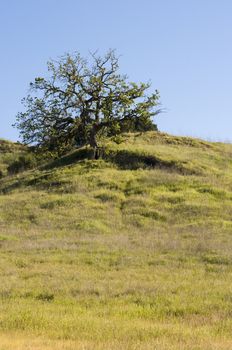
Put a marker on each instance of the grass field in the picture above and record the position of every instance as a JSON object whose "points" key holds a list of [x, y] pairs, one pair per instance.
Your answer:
{"points": [[133, 251]]}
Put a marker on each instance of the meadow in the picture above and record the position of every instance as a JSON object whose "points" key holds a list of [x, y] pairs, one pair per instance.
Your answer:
{"points": [[131, 251]]}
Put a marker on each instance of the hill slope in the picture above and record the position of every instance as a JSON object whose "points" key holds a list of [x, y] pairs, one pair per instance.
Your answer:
{"points": [[9, 151], [132, 251]]}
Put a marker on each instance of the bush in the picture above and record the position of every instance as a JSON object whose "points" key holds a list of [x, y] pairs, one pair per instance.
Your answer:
{"points": [[24, 162]]}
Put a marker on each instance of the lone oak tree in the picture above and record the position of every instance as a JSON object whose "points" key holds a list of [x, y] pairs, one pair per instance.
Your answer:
{"points": [[81, 100]]}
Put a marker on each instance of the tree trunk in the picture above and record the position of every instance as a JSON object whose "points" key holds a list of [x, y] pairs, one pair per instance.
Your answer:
{"points": [[93, 142]]}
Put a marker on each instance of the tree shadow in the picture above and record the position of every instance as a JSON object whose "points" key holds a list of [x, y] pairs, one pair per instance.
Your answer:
{"points": [[71, 158], [129, 160]]}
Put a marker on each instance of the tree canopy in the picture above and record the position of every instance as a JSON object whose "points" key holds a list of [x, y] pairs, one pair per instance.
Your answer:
{"points": [[81, 100]]}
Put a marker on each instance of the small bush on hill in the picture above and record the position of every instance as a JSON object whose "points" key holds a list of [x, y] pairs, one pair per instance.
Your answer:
{"points": [[24, 162]]}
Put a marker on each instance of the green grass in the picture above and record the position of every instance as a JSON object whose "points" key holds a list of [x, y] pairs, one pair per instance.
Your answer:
{"points": [[9, 152], [132, 251]]}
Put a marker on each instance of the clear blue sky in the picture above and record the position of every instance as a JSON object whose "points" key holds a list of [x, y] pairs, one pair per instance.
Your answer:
{"points": [[182, 46]]}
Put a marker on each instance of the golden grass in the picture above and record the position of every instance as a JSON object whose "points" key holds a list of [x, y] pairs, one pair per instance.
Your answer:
{"points": [[18, 342]]}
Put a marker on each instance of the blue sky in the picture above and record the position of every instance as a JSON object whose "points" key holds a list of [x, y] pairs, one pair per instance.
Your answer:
{"points": [[182, 46]]}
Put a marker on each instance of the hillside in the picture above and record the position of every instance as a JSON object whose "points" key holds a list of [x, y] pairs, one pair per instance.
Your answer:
{"points": [[131, 251], [9, 151]]}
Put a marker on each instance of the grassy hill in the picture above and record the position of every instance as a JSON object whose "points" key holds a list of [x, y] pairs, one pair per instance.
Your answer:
{"points": [[9, 152], [132, 251]]}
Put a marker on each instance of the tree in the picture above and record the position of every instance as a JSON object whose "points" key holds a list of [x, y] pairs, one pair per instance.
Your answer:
{"points": [[81, 100]]}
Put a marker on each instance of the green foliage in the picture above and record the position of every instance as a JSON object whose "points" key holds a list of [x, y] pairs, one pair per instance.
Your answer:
{"points": [[83, 101]]}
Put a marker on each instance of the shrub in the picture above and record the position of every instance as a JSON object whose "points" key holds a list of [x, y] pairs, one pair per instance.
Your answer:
{"points": [[24, 162]]}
